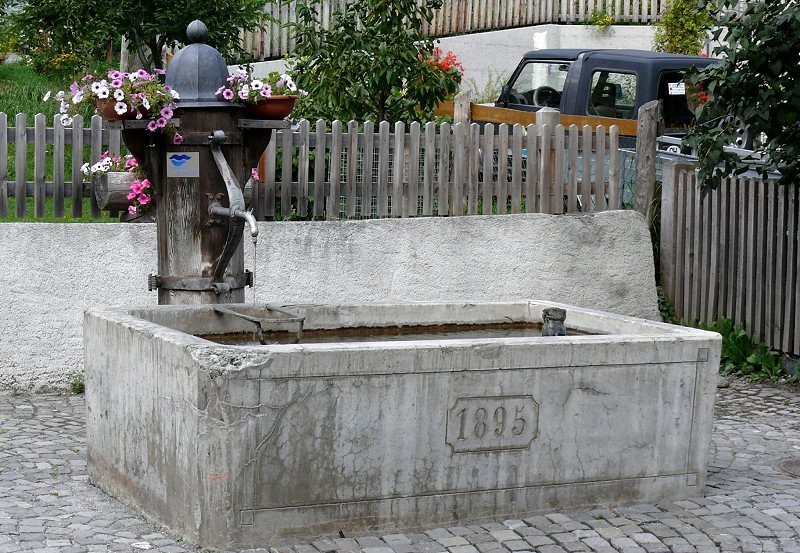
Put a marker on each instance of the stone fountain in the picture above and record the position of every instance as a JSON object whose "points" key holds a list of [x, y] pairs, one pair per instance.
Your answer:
{"points": [[242, 425]]}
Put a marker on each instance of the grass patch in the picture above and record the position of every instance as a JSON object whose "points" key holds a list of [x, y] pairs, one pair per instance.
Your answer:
{"points": [[78, 384], [22, 90], [50, 218]]}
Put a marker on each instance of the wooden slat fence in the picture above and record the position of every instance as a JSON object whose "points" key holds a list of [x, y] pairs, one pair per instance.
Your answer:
{"points": [[460, 17], [426, 170], [54, 142], [355, 170], [734, 253]]}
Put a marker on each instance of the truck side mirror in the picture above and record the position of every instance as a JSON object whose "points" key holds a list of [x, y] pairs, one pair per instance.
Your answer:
{"points": [[505, 92]]}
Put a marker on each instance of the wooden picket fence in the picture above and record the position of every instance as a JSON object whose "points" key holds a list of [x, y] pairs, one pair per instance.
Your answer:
{"points": [[430, 169], [459, 17], [55, 141], [356, 169], [734, 253]]}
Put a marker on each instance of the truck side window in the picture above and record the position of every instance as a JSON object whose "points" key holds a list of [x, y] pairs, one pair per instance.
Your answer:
{"points": [[540, 83], [674, 94], [612, 94]]}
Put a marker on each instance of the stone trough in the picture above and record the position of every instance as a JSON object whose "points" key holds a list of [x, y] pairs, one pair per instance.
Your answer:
{"points": [[254, 445]]}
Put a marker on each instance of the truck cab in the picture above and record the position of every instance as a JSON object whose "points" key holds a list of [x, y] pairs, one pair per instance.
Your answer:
{"points": [[604, 83]]}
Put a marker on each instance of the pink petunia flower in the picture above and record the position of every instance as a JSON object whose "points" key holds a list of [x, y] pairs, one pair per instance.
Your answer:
{"points": [[177, 139], [266, 92], [132, 195], [227, 94], [132, 209], [161, 122], [166, 113], [243, 94], [152, 127], [145, 183], [144, 199], [254, 174]]}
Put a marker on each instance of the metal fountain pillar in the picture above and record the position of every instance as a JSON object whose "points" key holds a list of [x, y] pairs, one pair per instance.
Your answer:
{"points": [[201, 212]]}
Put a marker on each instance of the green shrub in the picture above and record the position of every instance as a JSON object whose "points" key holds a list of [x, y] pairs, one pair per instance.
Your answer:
{"points": [[743, 356], [683, 28]]}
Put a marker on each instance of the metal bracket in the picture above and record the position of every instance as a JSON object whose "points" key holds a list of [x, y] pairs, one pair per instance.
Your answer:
{"points": [[200, 284], [259, 321]]}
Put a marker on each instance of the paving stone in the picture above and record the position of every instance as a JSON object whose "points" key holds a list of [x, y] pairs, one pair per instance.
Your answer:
{"points": [[347, 545], [378, 550], [404, 547], [487, 547], [324, 546], [452, 541], [504, 535], [464, 549], [396, 538], [370, 542]]}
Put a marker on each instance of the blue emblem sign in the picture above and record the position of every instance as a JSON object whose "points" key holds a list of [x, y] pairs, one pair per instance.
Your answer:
{"points": [[183, 164]]}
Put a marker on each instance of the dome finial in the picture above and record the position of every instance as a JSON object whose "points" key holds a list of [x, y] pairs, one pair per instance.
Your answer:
{"points": [[196, 32]]}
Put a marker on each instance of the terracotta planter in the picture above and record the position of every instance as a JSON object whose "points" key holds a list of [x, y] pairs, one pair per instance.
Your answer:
{"points": [[274, 107], [106, 109]]}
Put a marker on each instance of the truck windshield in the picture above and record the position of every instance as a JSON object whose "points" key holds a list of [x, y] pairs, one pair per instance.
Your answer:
{"points": [[540, 83]]}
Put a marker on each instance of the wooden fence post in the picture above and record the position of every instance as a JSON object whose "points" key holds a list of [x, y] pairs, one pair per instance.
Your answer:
{"points": [[646, 157], [669, 224], [462, 108], [550, 118]]}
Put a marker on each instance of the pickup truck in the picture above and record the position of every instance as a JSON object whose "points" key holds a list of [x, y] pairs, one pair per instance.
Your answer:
{"points": [[604, 83]]}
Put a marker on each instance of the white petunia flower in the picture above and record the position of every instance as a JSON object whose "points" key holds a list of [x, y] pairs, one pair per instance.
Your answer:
{"points": [[66, 120], [119, 95], [120, 108], [103, 93], [78, 98], [95, 87], [175, 94], [256, 84], [146, 103], [132, 77], [46, 96], [85, 169]]}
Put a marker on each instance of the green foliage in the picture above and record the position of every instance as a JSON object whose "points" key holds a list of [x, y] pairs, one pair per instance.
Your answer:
{"points": [[491, 91], [92, 28], [78, 384], [601, 19], [372, 62], [665, 308], [683, 28], [756, 81], [742, 356]]}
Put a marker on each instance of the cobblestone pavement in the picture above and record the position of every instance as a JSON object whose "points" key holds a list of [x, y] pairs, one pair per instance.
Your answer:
{"points": [[46, 504]]}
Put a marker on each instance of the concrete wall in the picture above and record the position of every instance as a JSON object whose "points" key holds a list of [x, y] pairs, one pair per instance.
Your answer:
{"points": [[489, 58], [52, 272]]}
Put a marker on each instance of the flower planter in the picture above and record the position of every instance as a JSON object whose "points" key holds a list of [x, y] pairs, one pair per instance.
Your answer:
{"points": [[111, 190], [106, 109], [274, 107]]}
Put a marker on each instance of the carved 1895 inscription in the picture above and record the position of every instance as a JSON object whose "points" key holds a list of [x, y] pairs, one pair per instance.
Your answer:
{"points": [[492, 423]]}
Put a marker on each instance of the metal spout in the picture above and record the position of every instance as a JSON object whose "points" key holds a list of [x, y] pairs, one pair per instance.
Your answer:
{"points": [[251, 221], [217, 209]]}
